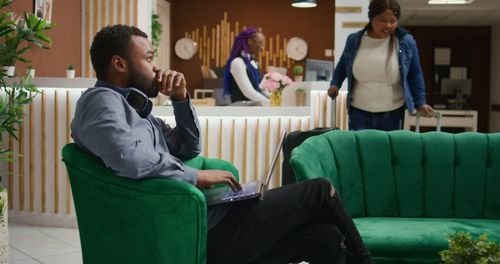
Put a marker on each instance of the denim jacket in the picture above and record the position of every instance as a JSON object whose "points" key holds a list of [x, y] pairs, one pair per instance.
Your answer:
{"points": [[412, 78]]}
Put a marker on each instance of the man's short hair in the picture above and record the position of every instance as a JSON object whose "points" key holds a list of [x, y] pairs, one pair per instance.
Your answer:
{"points": [[110, 41]]}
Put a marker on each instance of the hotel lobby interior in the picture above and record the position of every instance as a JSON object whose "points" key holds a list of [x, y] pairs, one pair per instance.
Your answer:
{"points": [[408, 191]]}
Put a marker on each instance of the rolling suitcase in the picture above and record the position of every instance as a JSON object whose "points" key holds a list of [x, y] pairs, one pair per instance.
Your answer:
{"points": [[434, 114]]}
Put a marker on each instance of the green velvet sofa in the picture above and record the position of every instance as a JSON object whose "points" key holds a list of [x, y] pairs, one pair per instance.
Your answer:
{"points": [[123, 220], [406, 191]]}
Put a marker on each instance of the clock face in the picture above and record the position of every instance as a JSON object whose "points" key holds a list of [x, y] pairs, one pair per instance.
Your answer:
{"points": [[185, 48], [296, 48]]}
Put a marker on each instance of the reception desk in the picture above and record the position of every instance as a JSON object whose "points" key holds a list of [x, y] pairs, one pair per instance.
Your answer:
{"points": [[39, 190]]}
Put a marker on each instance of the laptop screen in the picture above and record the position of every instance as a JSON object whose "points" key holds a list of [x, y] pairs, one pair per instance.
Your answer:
{"points": [[266, 181]]}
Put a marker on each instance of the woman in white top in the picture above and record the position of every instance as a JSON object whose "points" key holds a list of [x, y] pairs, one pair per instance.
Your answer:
{"points": [[242, 76], [382, 67]]}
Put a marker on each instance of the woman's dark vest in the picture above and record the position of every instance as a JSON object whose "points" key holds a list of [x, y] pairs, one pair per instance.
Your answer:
{"points": [[236, 94]]}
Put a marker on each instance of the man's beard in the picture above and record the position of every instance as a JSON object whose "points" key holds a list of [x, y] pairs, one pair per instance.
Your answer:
{"points": [[143, 83]]}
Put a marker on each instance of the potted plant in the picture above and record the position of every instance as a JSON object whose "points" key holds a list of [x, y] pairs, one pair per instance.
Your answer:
{"points": [[463, 248], [298, 70], [274, 83], [16, 35], [70, 71], [30, 71], [156, 30]]}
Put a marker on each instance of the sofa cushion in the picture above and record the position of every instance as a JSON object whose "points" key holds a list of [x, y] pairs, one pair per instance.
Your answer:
{"points": [[417, 240]]}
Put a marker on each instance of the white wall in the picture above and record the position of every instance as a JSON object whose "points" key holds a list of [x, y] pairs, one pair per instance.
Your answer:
{"points": [[145, 9], [495, 77], [341, 34]]}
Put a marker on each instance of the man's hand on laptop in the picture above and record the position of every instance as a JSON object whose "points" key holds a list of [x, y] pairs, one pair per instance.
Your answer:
{"points": [[208, 178]]}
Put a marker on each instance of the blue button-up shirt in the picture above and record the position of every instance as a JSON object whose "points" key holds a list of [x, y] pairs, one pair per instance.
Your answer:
{"points": [[134, 147], [412, 78]]}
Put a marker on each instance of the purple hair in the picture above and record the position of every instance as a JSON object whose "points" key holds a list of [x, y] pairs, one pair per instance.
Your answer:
{"points": [[240, 44]]}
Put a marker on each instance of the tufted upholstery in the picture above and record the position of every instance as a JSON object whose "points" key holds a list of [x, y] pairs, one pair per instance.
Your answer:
{"points": [[431, 184]]}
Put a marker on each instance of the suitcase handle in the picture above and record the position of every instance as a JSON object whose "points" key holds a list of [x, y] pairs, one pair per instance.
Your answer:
{"points": [[434, 114]]}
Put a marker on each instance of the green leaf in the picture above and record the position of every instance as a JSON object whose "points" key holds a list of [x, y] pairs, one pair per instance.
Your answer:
{"points": [[463, 248], [42, 37]]}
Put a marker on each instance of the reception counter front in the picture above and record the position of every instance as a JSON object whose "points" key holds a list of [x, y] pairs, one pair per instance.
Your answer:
{"points": [[38, 186]]}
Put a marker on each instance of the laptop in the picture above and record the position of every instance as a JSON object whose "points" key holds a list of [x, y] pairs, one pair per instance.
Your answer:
{"points": [[249, 190]]}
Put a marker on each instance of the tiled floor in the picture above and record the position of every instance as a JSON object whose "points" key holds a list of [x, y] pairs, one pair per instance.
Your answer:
{"points": [[34, 244], [48, 245]]}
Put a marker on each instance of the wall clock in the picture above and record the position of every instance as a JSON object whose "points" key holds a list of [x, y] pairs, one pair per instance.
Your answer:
{"points": [[185, 48], [296, 48]]}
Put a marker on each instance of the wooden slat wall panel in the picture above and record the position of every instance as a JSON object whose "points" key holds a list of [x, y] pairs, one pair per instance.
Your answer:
{"points": [[87, 38], [135, 7], [56, 153], [247, 142], [10, 177], [214, 48], [31, 155], [101, 13], [43, 154], [21, 167], [68, 140]]}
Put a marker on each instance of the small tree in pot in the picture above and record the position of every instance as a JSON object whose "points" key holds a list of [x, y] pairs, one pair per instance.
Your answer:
{"points": [[16, 34]]}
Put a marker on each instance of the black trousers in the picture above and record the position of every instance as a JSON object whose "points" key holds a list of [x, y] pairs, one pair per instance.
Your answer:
{"points": [[297, 222]]}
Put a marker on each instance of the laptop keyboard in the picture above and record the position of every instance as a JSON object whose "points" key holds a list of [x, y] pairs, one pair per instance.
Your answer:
{"points": [[248, 189]]}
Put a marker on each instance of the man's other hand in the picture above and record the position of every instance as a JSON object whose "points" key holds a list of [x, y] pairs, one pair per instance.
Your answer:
{"points": [[208, 178]]}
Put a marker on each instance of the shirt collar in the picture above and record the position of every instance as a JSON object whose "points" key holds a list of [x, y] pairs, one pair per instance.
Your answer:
{"points": [[247, 55], [123, 91]]}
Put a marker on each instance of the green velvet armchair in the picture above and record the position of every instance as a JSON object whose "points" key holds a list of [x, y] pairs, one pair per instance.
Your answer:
{"points": [[122, 220]]}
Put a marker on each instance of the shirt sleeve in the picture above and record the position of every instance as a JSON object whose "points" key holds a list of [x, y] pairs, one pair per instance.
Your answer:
{"points": [[239, 72], [101, 125], [416, 76], [339, 74], [183, 141]]}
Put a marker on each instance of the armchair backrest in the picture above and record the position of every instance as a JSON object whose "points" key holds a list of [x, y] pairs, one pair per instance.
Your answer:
{"points": [[407, 174], [123, 220]]}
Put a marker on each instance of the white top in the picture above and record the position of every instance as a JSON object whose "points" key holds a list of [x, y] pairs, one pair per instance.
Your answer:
{"points": [[377, 86], [239, 72]]}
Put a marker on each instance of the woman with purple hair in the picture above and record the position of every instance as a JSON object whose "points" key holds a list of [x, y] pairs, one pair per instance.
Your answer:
{"points": [[242, 76]]}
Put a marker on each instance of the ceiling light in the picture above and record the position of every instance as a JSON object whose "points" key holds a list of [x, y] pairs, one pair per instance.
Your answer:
{"points": [[304, 3], [450, 2]]}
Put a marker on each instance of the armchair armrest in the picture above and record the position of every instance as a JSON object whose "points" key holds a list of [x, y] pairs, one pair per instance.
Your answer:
{"points": [[124, 220], [204, 163]]}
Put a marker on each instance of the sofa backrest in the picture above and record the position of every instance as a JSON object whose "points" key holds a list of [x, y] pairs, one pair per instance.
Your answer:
{"points": [[407, 174]]}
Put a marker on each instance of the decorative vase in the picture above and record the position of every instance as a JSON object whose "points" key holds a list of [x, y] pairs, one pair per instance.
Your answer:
{"points": [[9, 70], [4, 230], [298, 78], [300, 98], [275, 98]]}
